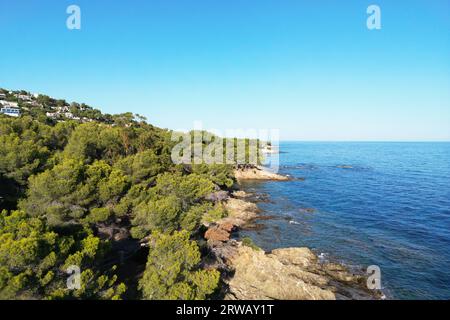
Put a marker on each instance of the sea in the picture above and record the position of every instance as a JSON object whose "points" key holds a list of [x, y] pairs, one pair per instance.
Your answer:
{"points": [[362, 204]]}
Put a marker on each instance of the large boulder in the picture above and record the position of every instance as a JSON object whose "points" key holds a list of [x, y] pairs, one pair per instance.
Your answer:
{"points": [[289, 274], [216, 233], [227, 226], [263, 276], [239, 212]]}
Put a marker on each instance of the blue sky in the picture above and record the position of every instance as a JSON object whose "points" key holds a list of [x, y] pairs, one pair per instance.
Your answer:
{"points": [[308, 68]]}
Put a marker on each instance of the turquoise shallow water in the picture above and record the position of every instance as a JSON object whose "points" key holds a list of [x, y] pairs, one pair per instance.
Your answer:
{"points": [[385, 204]]}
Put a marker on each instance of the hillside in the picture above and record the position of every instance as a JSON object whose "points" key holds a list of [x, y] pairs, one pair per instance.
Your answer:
{"points": [[95, 191]]}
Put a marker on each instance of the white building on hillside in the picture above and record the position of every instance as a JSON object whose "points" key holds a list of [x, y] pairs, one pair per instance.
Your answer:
{"points": [[23, 97], [34, 103], [63, 109], [10, 111], [9, 104]]}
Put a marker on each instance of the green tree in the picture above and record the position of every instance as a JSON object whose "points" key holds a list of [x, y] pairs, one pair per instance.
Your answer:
{"points": [[66, 193], [141, 166], [220, 174], [189, 189], [84, 143], [174, 202], [24, 148], [34, 260], [75, 182], [173, 272]]}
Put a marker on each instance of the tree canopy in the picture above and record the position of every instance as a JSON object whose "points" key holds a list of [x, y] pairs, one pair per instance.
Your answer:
{"points": [[172, 270], [77, 194]]}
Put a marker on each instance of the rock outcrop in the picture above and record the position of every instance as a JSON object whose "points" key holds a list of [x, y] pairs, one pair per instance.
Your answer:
{"points": [[257, 173], [288, 274], [220, 232], [239, 212], [217, 196]]}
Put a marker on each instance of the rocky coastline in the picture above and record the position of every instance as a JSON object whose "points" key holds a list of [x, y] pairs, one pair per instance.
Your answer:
{"points": [[257, 173], [249, 273]]}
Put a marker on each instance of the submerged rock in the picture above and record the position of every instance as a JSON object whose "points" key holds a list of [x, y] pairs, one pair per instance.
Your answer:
{"points": [[307, 210]]}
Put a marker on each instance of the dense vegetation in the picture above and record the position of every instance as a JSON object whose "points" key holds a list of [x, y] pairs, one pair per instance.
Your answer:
{"points": [[92, 195]]}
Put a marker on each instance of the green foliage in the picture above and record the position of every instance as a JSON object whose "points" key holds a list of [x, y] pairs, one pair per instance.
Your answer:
{"points": [[235, 151], [174, 203], [64, 182], [33, 261], [67, 192], [142, 166], [136, 195], [25, 149], [189, 189], [97, 215], [84, 143], [162, 214], [172, 270], [220, 174], [213, 213], [246, 241]]}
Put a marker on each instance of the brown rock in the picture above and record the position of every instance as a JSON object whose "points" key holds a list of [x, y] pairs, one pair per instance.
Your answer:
{"points": [[240, 194], [217, 234], [258, 173], [262, 276], [302, 257], [227, 226], [291, 273], [239, 212]]}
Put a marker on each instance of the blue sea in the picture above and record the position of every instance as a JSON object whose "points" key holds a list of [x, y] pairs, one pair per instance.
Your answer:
{"points": [[371, 203]]}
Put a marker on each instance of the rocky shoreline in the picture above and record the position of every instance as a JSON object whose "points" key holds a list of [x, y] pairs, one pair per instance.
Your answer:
{"points": [[257, 173], [249, 273]]}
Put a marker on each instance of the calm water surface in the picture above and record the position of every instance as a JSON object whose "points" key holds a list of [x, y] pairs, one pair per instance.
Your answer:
{"points": [[385, 204]]}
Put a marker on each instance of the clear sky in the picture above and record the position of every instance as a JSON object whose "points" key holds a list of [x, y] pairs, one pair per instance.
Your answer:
{"points": [[311, 69]]}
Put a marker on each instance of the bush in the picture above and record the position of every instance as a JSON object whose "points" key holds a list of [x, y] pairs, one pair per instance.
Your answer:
{"points": [[172, 271], [248, 242]]}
